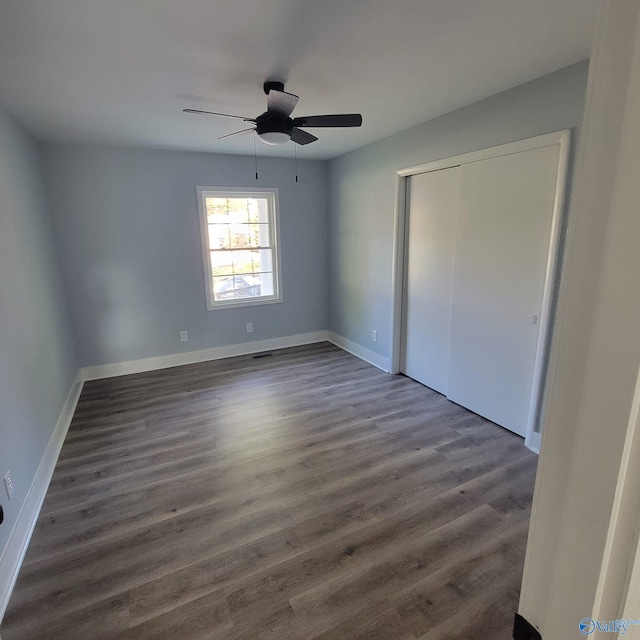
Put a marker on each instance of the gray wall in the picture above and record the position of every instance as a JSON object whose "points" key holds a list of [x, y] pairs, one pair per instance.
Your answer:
{"points": [[37, 357], [362, 190], [127, 229]]}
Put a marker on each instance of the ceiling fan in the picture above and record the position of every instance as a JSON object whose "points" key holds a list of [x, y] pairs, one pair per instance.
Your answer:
{"points": [[275, 126]]}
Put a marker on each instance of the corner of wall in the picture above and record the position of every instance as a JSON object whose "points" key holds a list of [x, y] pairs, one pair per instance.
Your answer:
{"points": [[361, 352]]}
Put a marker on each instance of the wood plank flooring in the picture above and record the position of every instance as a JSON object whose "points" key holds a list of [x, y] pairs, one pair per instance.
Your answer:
{"points": [[301, 496]]}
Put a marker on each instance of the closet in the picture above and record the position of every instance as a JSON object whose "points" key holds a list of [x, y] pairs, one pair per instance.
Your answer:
{"points": [[481, 245]]}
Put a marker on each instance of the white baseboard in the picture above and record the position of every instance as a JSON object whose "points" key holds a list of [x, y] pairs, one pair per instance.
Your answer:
{"points": [[13, 555], [192, 357], [361, 352], [532, 441]]}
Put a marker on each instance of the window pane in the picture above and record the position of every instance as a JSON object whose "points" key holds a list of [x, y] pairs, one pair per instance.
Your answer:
{"points": [[218, 236], [240, 235], [252, 209], [255, 262], [221, 263], [262, 235], [255, 233], [262, 260], [241, 261], [217, 211], [259, 210], [266, 284], [235, 287], [236, 235]]}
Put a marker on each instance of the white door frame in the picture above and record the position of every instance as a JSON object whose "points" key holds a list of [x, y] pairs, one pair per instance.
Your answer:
{"points": [[400, 244], [582, 555]]}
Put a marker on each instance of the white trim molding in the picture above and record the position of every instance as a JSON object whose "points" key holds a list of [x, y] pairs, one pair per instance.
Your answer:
{"points": [[582, 549], [527, 144], [533, 440], [20, 536], [270, 244], [361, 352], [620, 574], [191, 357]]}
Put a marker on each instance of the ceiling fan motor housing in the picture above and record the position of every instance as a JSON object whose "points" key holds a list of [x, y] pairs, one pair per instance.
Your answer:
{"points": [[272, 85], [268, 123]]}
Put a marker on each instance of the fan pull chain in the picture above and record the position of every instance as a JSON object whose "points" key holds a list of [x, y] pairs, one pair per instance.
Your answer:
{"points": [[295, 155], [255, 154]]}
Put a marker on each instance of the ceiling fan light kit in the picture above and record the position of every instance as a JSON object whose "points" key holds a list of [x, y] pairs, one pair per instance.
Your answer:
{"points": [[275, 126], [274, 137]]}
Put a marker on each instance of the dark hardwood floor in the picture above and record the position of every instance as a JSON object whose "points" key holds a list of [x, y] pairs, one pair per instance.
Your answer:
{"points": [[305, 495]]}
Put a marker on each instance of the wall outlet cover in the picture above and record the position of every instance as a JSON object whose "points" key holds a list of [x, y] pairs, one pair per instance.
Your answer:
{"points": [[8, 484]]}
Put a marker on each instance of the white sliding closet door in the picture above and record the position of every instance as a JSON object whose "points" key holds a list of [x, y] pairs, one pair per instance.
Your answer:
{"points": [[504, 226], [432, 229]]}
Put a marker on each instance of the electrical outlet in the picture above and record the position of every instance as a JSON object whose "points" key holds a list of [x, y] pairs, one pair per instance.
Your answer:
{"points": [[374, 335], [249, 327], [8, 484], [184, 336]]}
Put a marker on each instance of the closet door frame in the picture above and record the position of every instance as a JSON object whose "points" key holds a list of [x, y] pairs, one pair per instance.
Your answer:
{"points": [[400, 245]]}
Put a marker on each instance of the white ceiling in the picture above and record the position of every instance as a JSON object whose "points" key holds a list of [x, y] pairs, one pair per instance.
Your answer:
{"points": [[120, 72]]}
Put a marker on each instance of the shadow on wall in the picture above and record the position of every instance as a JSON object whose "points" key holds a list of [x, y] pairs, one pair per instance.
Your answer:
{"points": [[121, 302]]}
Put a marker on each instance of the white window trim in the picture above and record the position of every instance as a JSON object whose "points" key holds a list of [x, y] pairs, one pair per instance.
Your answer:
{"points": [[272, 195]]}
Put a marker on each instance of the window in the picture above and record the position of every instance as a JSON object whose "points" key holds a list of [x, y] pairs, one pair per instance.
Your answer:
{"points": [[240, 246]]}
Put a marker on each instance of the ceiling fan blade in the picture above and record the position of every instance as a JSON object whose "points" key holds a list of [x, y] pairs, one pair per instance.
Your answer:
{"points": [[281, 102], [243, 132], [337, 120], [213, 113], [302, 137]]}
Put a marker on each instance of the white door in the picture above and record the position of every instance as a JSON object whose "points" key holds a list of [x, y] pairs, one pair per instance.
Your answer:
{"points": [[432, 228], [504, 231]]}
